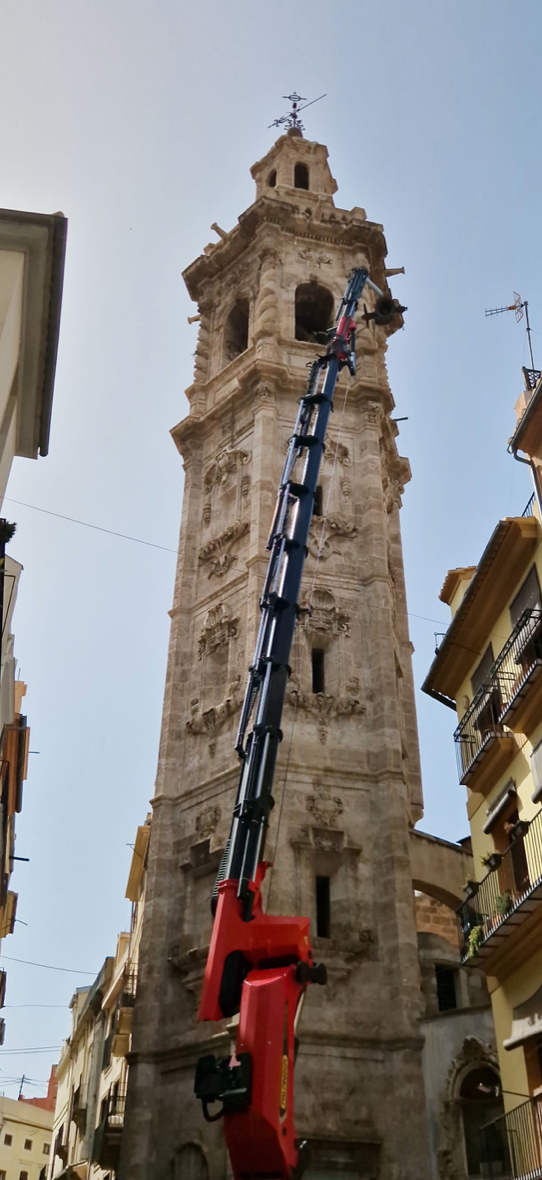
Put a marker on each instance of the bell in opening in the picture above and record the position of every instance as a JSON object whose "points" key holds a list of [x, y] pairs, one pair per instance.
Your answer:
{"points": [[313, 312], [301, 176], [236, 331]]}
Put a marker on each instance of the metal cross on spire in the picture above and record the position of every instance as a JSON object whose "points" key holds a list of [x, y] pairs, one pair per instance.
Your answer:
{"points": [[292, 120]]}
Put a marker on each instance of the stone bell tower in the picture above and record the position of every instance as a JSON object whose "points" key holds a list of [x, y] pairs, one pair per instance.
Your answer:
{"points": [[348, 782]]}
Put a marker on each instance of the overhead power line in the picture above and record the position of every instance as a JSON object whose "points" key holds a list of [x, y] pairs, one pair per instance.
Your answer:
{"points": [[49, 967], [86, 524]]}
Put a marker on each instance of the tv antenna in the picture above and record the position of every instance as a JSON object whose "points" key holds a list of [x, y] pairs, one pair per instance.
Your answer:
{"points": [[292, 120], [518, 306]]}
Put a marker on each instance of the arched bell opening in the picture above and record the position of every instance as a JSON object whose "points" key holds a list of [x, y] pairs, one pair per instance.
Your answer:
{"points": [[272, 178], [314, 306], [236, 331], [301, 176]]}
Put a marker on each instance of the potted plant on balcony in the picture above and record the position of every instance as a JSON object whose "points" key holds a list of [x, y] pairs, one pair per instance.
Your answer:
{"points": [[504, 903], [471, 887], [518, 830], [492, 860], [476, 938]]}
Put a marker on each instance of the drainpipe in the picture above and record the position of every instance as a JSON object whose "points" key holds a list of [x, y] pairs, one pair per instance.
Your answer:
{"points": [[511, 451]]}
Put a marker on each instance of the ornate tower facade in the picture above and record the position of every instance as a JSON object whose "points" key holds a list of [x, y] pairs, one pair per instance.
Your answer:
{"points": [[348, 784]]}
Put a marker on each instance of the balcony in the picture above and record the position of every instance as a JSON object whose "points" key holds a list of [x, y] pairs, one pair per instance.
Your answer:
{"points": [[511, 1146], [504, 898], [108, 1133], [517, 673], [484, 746], [124, 1014]]}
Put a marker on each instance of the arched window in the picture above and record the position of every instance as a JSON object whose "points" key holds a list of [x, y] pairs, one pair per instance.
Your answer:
{"points": [[313, 311], [301, 176], [272, 178], [236, 331], [481, 1103], [189, 1163]]}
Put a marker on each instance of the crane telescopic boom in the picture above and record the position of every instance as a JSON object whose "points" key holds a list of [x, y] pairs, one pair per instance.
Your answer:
{"points": [[260, 965]]}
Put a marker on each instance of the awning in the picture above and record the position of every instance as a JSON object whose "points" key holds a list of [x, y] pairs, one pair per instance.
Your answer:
{"points": [[526, 1021], [500, 806]]}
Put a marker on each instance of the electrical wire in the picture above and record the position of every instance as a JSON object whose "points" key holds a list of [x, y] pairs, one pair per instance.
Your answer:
{"points": [[49, 967], [85, 523]]}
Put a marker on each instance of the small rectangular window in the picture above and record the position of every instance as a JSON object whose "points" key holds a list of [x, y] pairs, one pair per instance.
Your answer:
{"points": [[318, 501], [323, 908], [8, 1140], [46, 1148], [446, 994], [317, 656], [28, 1145], [2, 1175]]}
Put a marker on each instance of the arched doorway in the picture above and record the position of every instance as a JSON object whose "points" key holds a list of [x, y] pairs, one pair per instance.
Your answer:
{"points": [[481, 1103], [189, 1163]]}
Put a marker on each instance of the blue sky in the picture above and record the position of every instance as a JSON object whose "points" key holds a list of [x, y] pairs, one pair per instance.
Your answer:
{"points": [[140, 121]]}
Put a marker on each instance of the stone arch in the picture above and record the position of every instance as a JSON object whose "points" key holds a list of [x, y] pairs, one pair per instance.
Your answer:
{"points": [[314, 308], [439, 868], [189, 1163], [301, 176], [236, 330], [458, 1155], [272, 178]]}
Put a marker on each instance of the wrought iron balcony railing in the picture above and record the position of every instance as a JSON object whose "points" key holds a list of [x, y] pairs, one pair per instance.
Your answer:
{"points": [[511, 1146], [478, 729], [529, 507], [506, 895], [129, 987], [519, 664], [115, 1110]]}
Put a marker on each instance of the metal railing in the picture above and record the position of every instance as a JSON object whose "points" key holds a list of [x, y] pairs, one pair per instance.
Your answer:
{"points": [[511, 1146], [115, 1110], [529, 507], [512, 878], [129, 987], [478, 725], [520, 656]]}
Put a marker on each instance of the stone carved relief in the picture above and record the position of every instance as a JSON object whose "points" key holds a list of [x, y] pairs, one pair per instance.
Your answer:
{"points": [[210, 721], [207, 821], [324, 617], [317, 259], [217, 630], [263, 394], [267, 307], [325, 706], [217, 552], [372, 413], [203, 347], [324, 531], [324, 807], [226, 462], [337, 452]]}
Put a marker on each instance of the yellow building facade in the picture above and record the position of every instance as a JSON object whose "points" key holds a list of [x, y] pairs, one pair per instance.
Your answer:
{"points": [[489, 668], [25, 1140]]}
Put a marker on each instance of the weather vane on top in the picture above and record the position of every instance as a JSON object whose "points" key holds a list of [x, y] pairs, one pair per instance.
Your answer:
{"points": [[292, 120]]}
